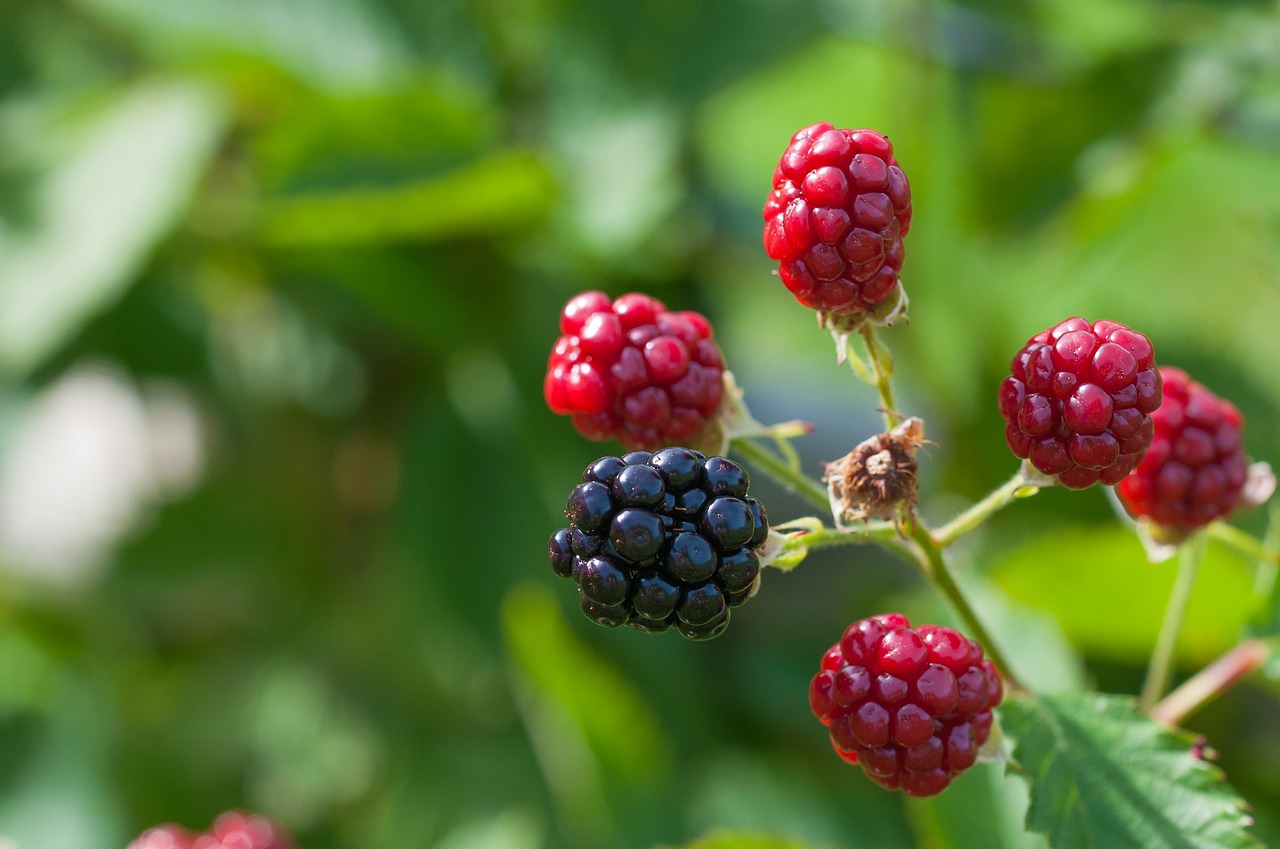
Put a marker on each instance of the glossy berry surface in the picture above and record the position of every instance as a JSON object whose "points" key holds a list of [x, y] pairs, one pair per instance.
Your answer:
{"points": [[662, 540], [1078, 404], [835, 219], [628, 369], [911, 706], [1195, 470]]}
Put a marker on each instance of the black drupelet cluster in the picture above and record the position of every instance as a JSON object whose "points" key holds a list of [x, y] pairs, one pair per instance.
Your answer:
{"points": [[661, 540]]}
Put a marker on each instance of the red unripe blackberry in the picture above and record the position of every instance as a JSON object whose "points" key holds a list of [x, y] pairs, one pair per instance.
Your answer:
{"points": [[630, 370], [835, 219], [1196, 468], [663, 540], [1079, 402], [912, 707]]}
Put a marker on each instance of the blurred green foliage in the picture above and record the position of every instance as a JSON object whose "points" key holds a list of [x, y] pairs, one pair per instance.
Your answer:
{"points": [[335, 235]]}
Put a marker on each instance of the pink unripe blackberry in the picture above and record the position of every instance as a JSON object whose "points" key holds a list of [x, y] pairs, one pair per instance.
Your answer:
{"points": [[630, 370], [912, 707], [1078, 404], [1196, 468], [835, 219], [167, 836], [231, 830], [239, 830]]}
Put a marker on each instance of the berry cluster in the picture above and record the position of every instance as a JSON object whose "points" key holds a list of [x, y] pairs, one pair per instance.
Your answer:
{"points": [[1079, 402], [629, 370], [910, 706], [1195, 469], [835, 220], [662, 540], [231, 830]]}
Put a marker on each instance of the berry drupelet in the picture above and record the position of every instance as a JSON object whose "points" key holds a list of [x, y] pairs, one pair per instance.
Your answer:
{"points": [[1196, 468], [662, 540], [1079, 402], [912, 707], [630, 370], [835, 219]]}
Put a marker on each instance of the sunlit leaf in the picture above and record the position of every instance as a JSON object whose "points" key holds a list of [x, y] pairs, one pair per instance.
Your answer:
{"points": [[1102, 774], [327, 42], [719, 839], [603, 705], [986, 808], [1110, 600], [98, 212], [488, 196]]}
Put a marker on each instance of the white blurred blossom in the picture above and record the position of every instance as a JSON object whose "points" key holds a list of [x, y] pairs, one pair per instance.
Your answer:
{"points": [[82, 465]]}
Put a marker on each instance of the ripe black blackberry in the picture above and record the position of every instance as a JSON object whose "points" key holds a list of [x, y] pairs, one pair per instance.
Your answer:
{"points": [[668, 539]]}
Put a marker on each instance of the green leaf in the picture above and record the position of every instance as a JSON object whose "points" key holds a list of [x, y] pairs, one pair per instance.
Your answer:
{"points": [[604, 707], [332, 43], [1113, 601], [985, 808], [115, 191], [1104, 775], [719, 839], [503, 191]]}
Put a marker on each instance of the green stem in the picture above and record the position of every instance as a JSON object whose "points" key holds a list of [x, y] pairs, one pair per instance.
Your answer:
{"points": [[1267, 617], [882, 374], [825, 537], [1161, 667], [970, 519], [934, 566], [802, 485], [1247, 544], [1211, 682]]}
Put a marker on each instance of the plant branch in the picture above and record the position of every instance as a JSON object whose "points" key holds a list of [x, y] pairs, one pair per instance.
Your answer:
{"points": [[881, 373], [1211, 682], [1246, 544], [934, 566], [998, 498], [817, 535], [1162, 657], [781, 471]]}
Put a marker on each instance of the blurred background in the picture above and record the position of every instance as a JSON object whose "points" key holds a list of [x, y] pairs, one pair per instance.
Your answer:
{"points": [[278, 279]]}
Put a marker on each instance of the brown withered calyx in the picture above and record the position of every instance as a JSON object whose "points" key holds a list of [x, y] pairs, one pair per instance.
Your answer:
{"points": [[878, 475]]}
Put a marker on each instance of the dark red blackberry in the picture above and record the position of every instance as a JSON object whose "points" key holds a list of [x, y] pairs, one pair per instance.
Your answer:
{"points": [[1079, 402], [835, 219], [1196, 468], [632, 371], [663, 540], [910, 706]]}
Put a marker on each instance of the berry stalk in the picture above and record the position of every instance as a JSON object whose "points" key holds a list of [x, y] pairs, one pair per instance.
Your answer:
{"points": [[1267, 619], [812, 533], [1158, 673], [1018, 486], [1267, 554], [1246, 544], [1211, 682], [807, 488], [882, 374], [933, 565]]}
